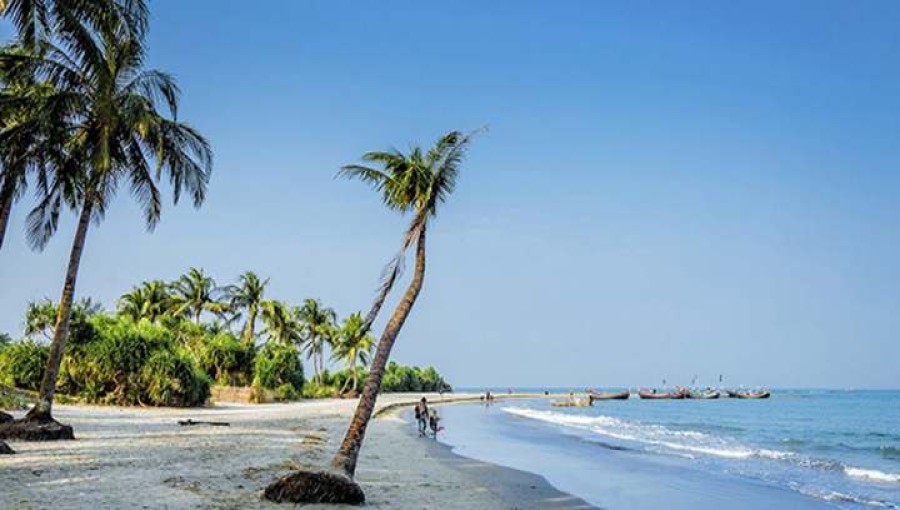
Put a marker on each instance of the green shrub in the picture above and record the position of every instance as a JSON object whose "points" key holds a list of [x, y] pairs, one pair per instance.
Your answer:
{"points": [[225, 359], [277, 364], [286, 392], [107, 369], [319, 390], [171, 379], [22, 364]]}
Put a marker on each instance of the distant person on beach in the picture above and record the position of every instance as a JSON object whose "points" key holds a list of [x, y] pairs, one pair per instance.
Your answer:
{"points": [[422, 416], [419, 420]]}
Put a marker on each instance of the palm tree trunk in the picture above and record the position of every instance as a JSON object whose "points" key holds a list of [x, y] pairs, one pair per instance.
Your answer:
{"points": [[393, 272], [346, 457], [351, 377], [41, 410], [250, 327], [6, 200]]}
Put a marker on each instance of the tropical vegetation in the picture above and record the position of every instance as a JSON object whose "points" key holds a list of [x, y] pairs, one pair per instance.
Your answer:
{"points": [[149, 351]]}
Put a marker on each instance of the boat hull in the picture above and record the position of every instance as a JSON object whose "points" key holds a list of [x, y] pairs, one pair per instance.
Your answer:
{"points": [[649, 395], [702, 395], [609, 396], [754, 396]]}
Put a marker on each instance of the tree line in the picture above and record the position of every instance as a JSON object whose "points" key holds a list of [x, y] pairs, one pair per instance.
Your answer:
{"points": [[166, 342]]}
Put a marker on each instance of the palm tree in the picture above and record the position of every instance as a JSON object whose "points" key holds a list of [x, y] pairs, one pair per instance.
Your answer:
{"points": [[40, 317], [194, 293], [123, 130], [247, 295], [416, 182], [318, 321], [26, 149], [353, 346], [150, 300], [281, 322]]}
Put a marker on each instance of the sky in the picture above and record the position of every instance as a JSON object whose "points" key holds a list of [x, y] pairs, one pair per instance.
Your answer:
{"points": [[665, 190]]}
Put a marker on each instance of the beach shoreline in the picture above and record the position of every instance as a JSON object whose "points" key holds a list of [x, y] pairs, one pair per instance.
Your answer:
{"points": [[141, 457]]}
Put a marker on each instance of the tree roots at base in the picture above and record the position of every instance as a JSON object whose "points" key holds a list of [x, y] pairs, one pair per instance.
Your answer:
{"points": [[36, 429], [318, 487]]}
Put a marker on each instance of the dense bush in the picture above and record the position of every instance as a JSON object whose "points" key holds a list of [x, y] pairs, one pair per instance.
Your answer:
{"points": [[172, 379], [276, 365], [225, 359], [107, 368], [22, 364]]}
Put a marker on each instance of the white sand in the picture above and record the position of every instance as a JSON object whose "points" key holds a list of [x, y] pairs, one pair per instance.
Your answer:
{"points": [[141, 458]]}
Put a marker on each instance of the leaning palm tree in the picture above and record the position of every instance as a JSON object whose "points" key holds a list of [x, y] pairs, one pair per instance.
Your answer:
{"points": [[353, 346], [281, 323], [194, 293], [151, 300], [416, 182], [246, 297], [123, 130], [318, 321]]}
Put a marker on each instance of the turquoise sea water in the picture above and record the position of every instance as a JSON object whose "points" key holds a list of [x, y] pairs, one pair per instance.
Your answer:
{"points": [[811, 448]]}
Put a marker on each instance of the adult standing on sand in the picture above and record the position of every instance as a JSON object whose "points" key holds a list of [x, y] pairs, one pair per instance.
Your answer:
{"points": [[422, 416]]}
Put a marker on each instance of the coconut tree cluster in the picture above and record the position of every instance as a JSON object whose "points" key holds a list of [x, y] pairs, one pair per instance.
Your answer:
{"points": [[196, 332]]}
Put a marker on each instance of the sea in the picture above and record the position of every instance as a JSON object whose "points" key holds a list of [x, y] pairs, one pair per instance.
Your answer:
{"points": [[797, 449]]}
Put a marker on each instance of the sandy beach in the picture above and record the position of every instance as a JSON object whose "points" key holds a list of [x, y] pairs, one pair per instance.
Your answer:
{"points": [[142, 458]]}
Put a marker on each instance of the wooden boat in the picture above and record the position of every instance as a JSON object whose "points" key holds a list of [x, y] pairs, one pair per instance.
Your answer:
{"points": [[650, 395], [732, 393], [753, 394], [608, 395], [702, 395]]}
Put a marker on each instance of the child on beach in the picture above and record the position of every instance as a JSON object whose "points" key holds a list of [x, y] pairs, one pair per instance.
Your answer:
{"points": [[434, 421]]}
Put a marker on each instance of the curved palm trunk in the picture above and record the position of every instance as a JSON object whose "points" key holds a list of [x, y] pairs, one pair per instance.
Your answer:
{"points": [[394, 271], [346, 457], [41, 410], [7, 191]]}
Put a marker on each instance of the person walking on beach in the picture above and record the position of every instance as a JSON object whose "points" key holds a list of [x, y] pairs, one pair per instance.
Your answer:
{"points": [[418, 412], [422, 416]]}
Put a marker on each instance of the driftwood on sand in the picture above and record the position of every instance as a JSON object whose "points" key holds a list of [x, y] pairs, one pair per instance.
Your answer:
{"points": [[189, 422]]}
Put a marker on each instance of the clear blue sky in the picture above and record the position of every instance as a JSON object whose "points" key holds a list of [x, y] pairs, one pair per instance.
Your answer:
{"points": [[667, 189]]}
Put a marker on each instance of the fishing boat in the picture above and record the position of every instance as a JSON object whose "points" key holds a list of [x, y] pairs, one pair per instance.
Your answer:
{"points": [[608, 395], [707, 394], [732, 393], [753, 394], [655, 395]]}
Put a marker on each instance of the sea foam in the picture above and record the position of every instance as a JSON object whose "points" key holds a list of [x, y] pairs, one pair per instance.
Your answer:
{"points": [[872, 474]]}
